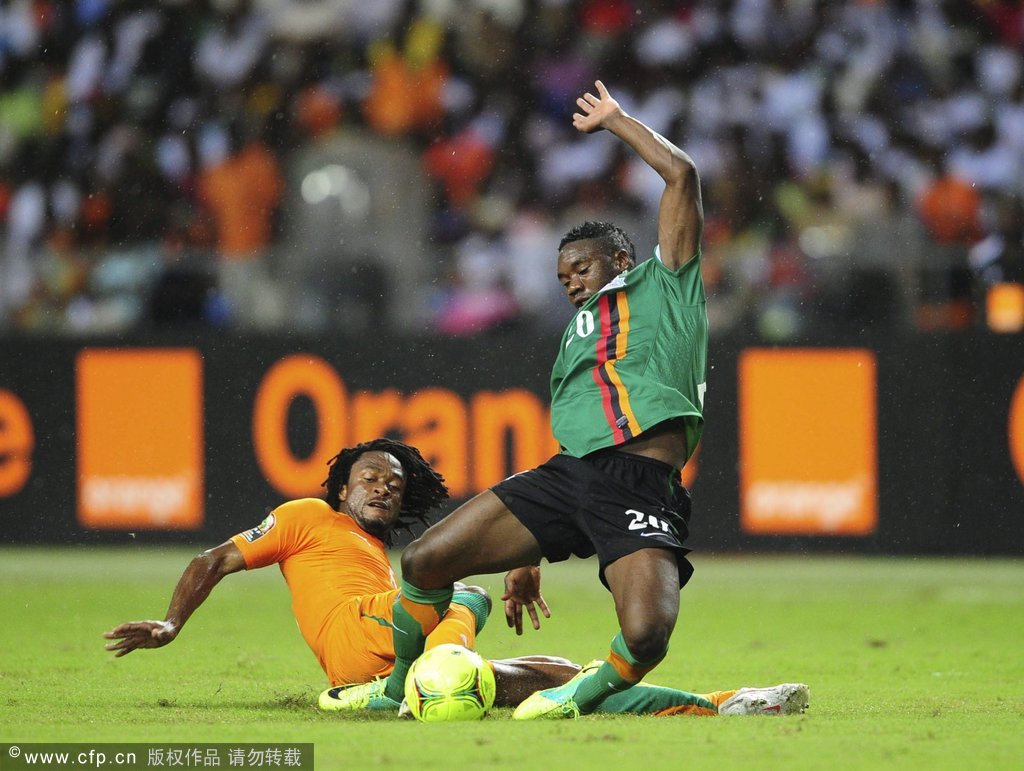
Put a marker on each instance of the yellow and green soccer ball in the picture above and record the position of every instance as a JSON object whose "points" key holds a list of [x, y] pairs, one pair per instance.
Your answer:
{"points": [[449, 682]]}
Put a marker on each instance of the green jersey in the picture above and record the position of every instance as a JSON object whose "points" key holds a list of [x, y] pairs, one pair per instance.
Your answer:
{"points": [[633, 356]]}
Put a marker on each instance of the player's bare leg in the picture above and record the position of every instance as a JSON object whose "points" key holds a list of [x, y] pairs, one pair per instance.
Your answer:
{"points": [[481, 536], [645, 586]]}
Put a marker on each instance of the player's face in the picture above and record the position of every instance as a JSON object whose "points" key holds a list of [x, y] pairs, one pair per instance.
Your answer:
{"points": [[585, 266], [373, 495]]}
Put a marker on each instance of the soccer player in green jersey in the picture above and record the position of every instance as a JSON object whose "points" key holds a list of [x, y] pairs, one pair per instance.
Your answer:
{"points": [[627, 392]]}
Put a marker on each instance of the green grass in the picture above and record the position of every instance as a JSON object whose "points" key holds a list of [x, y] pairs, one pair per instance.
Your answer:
{"points": [[912, 663]]}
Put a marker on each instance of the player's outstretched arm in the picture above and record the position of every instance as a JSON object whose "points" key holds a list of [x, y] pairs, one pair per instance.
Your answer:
{"points": [[202, 574], [681, 213]]}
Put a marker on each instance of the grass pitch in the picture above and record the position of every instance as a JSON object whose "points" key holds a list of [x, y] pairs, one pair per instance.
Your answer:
{"points": [[912, 663]]}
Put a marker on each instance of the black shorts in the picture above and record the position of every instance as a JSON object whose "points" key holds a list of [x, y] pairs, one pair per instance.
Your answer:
{"points": [[608, 503]]}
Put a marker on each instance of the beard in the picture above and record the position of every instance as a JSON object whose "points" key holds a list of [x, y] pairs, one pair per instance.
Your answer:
{"points": [[377, 527]]}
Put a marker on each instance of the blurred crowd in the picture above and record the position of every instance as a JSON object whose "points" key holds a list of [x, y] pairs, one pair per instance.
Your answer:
{"points": [[862, 161]]}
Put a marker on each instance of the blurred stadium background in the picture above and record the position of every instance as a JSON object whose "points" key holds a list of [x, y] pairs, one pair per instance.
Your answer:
{"points": [[238, 234]]}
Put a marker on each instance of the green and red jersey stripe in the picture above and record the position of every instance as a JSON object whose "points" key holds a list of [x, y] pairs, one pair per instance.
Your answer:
{"points": [[611, 346]]}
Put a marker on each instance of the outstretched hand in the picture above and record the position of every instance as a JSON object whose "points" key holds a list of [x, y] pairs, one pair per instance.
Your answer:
{"points": [[140, 634], [522, 589], [595, 110]]}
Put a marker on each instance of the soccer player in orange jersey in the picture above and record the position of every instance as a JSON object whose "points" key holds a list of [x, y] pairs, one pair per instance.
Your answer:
{"points": [[332, 554]]}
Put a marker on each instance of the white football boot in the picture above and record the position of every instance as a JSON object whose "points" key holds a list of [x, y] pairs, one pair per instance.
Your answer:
{"points": [[785, 699]]}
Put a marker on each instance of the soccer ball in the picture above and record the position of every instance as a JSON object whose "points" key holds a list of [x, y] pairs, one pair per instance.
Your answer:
{"points": [[449, 682]]}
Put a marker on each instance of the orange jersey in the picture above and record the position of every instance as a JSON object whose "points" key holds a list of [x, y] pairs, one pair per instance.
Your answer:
{"points": [[341, 583]]}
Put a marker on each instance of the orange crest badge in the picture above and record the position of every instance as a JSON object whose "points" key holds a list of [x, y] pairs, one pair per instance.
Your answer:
{"points": [[261, 529]]}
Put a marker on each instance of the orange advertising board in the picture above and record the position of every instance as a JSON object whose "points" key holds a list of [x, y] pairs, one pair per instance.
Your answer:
{"points": [[1016, 429], [140, 439], [808, 442], [508, 431], [17, 441]]}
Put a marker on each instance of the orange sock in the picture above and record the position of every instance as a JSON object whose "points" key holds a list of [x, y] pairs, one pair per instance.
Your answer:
{"points": [[692, 710], [717, 697], [458, 626], [630, 672]]}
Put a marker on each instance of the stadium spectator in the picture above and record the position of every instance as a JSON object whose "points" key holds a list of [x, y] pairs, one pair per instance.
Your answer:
{"points": [[627, 411], [406, 85], [332, 554], [229, 51], [998, 257], [950, 208], [242, 192]]}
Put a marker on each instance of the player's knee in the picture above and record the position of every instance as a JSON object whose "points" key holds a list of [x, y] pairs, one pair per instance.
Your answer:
{"points": [[423, 566], [411, 563], [647, 642]]}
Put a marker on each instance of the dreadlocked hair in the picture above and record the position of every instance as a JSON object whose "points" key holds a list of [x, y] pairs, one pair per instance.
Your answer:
{"points": [[613, 236], [425, 489]]}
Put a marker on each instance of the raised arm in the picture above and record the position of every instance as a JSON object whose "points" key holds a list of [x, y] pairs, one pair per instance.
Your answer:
{"points": [[202, 574], [681, 213]]}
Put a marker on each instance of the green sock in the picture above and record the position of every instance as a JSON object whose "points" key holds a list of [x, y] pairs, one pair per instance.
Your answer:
{"points": [[648, 699], [607, 679], [478, 605], [416, 613]]}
